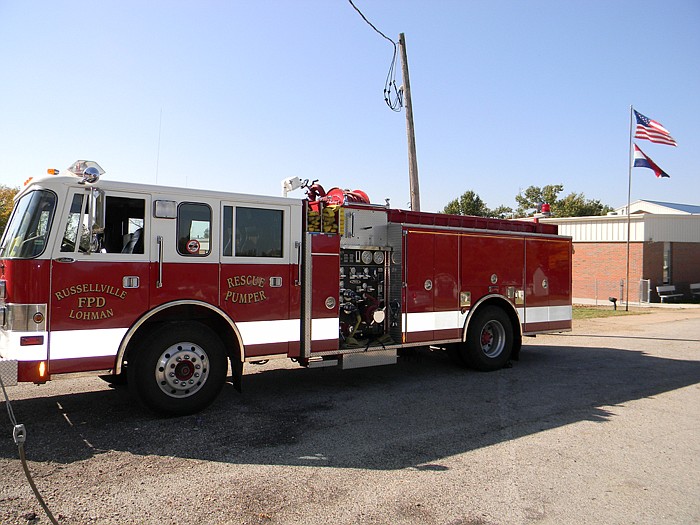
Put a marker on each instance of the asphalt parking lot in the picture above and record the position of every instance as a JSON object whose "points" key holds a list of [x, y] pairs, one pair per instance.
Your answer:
{"points": [[600, 425]]}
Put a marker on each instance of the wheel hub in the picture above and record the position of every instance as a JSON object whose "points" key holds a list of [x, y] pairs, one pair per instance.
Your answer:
{"points": [[486, 338], [185, 370], [182, 369], [493, 339]]}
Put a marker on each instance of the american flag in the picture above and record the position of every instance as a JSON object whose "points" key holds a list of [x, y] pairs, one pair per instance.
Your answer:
{"points": [[651, 130]]}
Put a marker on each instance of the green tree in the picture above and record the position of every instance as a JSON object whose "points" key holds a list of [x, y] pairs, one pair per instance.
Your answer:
{"points": [[468, 204], [502, 212], [6, 203], [534, 196], [576, 205], [573, 205]]}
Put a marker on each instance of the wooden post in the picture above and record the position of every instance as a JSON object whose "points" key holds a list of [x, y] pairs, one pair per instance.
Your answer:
{"points": [[410, 133]]}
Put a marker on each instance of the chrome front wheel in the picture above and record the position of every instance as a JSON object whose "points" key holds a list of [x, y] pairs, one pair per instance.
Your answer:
{"points": [[182, 369], [178, 368]]}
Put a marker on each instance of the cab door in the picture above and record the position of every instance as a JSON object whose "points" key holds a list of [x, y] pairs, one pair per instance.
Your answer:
{"points": [[99, 277], [257, 275]]}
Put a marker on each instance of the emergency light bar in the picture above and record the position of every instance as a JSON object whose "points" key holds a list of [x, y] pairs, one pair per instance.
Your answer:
{"points": [[89, 170]]}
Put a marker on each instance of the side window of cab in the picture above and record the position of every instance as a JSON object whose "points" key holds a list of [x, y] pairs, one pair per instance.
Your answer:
{"points": [[194, 229], [258, 232], [253, 232], [122, 232]]}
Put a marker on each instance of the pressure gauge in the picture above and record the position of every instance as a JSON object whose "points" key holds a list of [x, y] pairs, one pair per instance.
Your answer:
{"points": [[378, 257], [366, 257]]}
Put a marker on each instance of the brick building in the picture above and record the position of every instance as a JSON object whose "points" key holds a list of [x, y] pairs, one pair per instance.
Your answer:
{"points": [[664, 248]]}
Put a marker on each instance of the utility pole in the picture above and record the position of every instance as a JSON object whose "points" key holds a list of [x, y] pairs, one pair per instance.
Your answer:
{"points": [[410, 133]]}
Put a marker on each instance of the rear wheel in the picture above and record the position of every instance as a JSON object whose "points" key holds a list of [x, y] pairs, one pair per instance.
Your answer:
{"points": [[489, 340], [179, 368], [454, 352]]}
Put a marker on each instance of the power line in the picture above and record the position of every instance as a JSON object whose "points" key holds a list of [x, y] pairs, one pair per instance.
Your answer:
{"points": [[371, 24], [392, 95]]}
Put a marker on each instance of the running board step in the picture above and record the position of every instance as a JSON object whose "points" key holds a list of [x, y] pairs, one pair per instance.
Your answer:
{"points": [[319, 362], [363, 359]]}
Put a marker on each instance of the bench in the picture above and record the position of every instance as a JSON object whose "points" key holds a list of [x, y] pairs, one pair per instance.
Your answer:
{"points": [[695, 290], [667, 292]]}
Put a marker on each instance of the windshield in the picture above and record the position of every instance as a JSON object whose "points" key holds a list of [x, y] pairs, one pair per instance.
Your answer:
{"points": [[28, 230]]}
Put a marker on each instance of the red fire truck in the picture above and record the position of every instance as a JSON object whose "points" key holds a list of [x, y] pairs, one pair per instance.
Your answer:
{"points": [[165, 287]]}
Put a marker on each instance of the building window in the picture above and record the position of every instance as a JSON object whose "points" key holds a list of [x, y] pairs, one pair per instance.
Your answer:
{"points": [[667, 263]]}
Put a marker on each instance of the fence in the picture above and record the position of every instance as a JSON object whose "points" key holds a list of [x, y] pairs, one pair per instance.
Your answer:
{"points": [[601, 291]]}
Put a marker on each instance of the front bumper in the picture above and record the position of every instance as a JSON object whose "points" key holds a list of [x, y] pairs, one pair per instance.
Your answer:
{"points": [[8, 371]]}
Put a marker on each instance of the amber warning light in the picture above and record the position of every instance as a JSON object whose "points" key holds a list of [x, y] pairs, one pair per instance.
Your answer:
{"points": [[50, 171]]}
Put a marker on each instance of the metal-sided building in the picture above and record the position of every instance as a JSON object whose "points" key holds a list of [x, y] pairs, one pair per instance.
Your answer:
{"points": [[664, 249]]}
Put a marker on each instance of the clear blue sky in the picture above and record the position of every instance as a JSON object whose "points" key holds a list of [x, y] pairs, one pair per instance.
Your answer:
{"points": [[506, 94]]}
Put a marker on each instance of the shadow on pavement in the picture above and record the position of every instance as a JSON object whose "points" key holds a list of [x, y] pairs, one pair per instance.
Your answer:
{"points": [[409, 415]]}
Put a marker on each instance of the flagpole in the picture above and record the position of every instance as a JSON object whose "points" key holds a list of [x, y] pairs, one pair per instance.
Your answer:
{"points": [[629, 198]]}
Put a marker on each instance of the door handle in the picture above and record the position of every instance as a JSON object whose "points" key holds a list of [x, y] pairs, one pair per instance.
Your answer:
{"points": [[130, 281], [159, 282], [297, 245]]}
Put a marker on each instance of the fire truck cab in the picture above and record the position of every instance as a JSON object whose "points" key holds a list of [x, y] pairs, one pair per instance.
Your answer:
{"points": [[166, 287]]}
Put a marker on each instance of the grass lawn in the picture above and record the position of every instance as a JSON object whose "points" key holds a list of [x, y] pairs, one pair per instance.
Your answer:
{"points": [[589, 312]]}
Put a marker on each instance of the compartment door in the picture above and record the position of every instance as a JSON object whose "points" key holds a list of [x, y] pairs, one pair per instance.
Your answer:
{"points": [[418, 300], [548, 285], [320, 323], [446, 316]]}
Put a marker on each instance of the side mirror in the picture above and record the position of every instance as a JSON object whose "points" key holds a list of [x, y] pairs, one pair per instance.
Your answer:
{"points": [[96, 217]]}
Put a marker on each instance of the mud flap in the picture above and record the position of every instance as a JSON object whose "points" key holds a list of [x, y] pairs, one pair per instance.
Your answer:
{"points": [[515, 353], [237, 374]]}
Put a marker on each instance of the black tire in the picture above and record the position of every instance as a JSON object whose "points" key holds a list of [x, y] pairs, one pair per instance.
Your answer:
{"points": [[454, 352], [178, 369], [489, 340]]}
